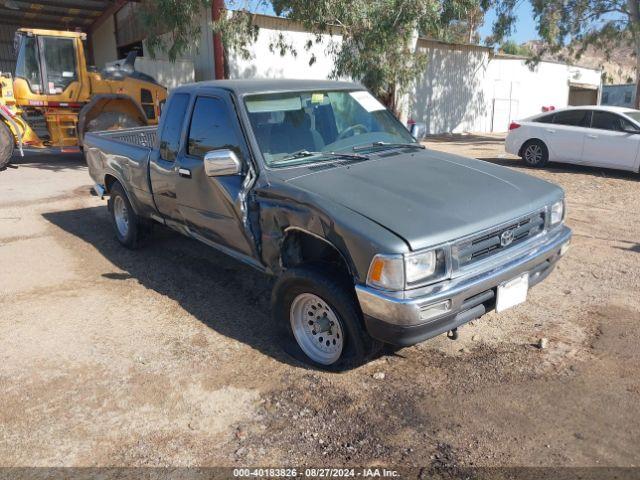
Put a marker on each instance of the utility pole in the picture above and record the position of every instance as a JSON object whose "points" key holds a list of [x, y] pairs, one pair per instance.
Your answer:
{"points": [[217, 8]]}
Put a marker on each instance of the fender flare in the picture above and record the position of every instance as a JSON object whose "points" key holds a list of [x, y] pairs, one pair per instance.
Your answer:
{"points": [[291, 229], [108, 97], [117, 179]]}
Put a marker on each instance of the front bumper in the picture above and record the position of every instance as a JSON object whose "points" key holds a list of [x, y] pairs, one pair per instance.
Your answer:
{"points": [[395, 317]]}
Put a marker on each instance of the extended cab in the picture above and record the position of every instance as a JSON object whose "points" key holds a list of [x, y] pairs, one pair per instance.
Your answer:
{"points": [[374, 239]]}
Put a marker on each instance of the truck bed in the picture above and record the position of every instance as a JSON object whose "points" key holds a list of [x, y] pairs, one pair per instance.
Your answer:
{"points": [[123, 155], [140, 136]]}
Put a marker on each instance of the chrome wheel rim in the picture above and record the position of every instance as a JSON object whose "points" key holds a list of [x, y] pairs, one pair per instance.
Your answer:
{"points": [[316, 328], [121, 216], [533, 153]]}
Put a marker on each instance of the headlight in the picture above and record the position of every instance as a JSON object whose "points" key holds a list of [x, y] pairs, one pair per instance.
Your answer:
{"points": [[397, 272], [557, 213]]}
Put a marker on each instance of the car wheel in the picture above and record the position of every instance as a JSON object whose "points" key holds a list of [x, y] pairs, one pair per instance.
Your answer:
{"points": [[319, 314], [535, 153], [6, 145], [126, 223]]}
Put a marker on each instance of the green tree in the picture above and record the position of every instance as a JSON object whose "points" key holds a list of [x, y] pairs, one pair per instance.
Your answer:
{"points": [[512, 48], [378, 36], [571, 26]]}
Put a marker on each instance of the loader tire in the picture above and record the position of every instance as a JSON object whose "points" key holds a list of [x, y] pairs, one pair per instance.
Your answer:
{"points": [[6, 145], [112, 121]]}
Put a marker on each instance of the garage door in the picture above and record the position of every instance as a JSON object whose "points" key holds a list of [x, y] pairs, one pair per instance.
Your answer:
{"points": [[7, 54]]}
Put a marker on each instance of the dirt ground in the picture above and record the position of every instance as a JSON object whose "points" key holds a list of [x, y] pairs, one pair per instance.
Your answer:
{"points": [[167, 356]]}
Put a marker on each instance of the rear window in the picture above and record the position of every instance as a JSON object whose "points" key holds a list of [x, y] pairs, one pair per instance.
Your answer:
{"points": [[545, 118]]}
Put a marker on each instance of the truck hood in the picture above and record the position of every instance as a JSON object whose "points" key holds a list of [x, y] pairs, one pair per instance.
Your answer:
{"points": [[427, 197]]}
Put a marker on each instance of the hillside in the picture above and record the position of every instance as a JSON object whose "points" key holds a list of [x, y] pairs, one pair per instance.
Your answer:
{"points": [[619, 68]]}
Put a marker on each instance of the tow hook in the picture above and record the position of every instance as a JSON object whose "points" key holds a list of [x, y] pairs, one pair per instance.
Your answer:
{"points": [[452, 334]]}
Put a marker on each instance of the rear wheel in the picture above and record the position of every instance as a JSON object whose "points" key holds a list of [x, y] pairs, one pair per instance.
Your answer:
{"points": [[535, 153], [128, 226], [6, 145], [317, 309]]}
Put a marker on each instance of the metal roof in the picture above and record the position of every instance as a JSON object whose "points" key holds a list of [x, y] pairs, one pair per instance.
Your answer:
{"points": [[56, 14]]}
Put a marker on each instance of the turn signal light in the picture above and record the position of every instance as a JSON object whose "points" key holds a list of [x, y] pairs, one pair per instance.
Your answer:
{"points": [[514, 125]]}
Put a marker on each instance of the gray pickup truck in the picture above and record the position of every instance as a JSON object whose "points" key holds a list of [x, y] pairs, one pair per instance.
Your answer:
{"points": [[373, 238]]}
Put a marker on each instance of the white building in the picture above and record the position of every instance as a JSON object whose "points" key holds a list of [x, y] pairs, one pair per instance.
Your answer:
{"points": [[469, 88]]}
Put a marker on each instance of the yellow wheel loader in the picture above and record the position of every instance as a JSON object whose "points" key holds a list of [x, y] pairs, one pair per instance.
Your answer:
{"points": [[54, 98]]}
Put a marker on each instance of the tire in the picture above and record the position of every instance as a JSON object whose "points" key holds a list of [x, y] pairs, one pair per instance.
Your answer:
{"points": [[305, 292], [6, 145], [112, 121], [128, 227], [535, 153]]}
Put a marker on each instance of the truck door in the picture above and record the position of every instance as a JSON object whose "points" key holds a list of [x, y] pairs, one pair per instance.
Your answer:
{"points": [[163, 168], [210, 206]]}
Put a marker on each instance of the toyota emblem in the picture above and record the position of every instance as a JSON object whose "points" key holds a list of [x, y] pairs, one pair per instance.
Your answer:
{"points": [[506, 238]]}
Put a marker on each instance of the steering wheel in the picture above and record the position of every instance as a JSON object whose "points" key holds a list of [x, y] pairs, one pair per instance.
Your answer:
{"points": [[351, 130]]}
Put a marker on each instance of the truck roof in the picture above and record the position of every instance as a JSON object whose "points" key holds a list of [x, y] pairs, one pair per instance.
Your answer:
{"points": [[244, 87]]}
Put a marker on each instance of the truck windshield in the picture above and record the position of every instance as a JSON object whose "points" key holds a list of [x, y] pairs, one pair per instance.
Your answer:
{"points": [[305, 127]]}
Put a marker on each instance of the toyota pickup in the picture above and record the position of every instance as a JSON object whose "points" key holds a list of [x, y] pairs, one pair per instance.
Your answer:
{"points": [[373, 238]]}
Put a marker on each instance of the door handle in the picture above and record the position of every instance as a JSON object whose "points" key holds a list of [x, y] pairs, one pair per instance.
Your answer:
{"points": [[184, 172], [592, 136], [551, 130]]}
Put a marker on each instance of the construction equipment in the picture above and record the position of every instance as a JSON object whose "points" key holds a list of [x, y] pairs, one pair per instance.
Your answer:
{"points": [[54, 98]]}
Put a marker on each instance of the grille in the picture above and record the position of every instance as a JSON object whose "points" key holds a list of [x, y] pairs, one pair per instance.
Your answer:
{"points": [[486, 244]]}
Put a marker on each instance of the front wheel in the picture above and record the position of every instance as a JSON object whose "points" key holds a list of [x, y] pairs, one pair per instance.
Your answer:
{"points": [[535, 153], [6, 145], [318, 310]]}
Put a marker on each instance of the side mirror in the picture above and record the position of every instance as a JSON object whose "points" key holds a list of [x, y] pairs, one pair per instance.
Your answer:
{"points": [[218, 163], [419, 130], [631, 130]]}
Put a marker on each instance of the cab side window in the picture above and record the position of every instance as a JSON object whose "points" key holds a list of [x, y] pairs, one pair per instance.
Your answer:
{"points": [[610, 121], [212, 128], [170, 137], [575, 118]]}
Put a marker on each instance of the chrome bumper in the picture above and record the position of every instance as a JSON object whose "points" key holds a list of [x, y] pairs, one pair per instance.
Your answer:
{"points": [[404, 309]]}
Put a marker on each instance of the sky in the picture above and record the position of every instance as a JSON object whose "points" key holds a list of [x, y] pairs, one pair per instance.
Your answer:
{"points": [[524, 29]]}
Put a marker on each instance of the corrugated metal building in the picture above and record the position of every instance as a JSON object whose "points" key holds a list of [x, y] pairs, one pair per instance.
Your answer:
{"points": [[7, 57], [112, 31]]}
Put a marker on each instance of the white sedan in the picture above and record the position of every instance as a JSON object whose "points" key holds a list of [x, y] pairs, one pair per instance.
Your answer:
{"points": [[591, 135]]}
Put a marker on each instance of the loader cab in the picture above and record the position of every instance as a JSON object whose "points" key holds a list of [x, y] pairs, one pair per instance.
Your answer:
{"points": [[50, 66]]}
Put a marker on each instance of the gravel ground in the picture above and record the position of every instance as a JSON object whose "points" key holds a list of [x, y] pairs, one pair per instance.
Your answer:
{"points": [[167, 356]]}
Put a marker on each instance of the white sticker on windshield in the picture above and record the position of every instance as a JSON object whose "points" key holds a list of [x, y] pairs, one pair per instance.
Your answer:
{"points": [[367, 101]]}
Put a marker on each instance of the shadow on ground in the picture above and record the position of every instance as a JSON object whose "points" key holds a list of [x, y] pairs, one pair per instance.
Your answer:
{"points": [[47, 160], [552, 167], [231, 298], [464, 139]]}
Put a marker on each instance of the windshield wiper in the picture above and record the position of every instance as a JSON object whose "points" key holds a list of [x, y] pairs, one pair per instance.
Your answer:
{"points": [[307, 153], [388, 145]]}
